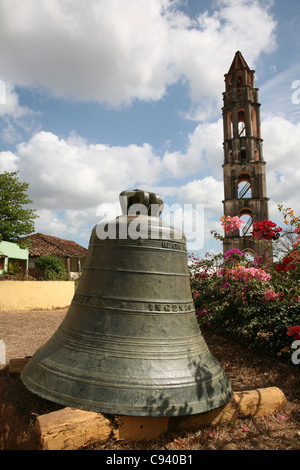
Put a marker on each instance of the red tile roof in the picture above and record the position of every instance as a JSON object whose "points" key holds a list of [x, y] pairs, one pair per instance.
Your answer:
{"points": [[48, 245]]}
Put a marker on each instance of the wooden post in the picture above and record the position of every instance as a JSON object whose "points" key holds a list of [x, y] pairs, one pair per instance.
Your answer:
{"points": [[70, 429], [139, 428], [256, 403], [17, 364]]}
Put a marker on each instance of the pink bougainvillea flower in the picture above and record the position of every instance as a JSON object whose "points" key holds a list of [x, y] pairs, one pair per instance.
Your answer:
{"points": [[248, 274], [234, 252], [283, 416], [270, 294], [231, 223]]}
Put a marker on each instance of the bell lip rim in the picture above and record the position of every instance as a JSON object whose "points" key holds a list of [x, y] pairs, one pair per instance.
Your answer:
{"points": [[196, 407], [156, 413]]}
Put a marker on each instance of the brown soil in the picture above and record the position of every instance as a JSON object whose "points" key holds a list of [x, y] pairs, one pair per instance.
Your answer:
{"points": [[24, 332]]}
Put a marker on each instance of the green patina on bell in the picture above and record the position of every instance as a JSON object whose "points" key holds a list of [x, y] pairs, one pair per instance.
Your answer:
{"points": [[130, 342]]}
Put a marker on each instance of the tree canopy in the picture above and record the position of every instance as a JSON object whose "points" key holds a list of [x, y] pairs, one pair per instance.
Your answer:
{"points": [[15, 220]]}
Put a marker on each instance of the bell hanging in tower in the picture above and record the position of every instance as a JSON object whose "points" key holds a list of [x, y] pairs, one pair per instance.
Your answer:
{"points": [[130, 343]]}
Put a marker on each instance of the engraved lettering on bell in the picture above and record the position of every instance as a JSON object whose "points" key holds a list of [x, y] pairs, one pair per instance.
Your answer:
{"points": [[173, 246], [155, 307], [130, 342]]}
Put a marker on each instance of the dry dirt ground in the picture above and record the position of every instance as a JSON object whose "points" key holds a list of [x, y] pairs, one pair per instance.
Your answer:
{"points": [[24, 332]]}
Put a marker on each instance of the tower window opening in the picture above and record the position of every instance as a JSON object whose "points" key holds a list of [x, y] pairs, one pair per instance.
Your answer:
{"points": [[243, 154], [249, 254], [244, 190], [245, 230], [241, 124], [242, 129], [239, 81], [244, 185]]}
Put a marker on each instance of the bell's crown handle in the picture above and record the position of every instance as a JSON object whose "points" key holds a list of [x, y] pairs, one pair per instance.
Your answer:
{"points": [[151, 201]]}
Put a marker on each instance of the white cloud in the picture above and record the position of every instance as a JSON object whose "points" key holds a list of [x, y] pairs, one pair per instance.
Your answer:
{"points": [[115, 52], [105, 51], [207, 191], [281, 152], [68, 174], [9, 101], [13, 116], [70, 224], [72, 174], [204, 194], [204, 152], [8, 162]]}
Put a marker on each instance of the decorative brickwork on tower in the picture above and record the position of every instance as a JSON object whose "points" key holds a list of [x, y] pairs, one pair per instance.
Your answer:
{"points": [[245, 193]]}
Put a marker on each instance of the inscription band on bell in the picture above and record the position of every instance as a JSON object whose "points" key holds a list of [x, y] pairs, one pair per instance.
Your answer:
{"points": [[134, 306]]}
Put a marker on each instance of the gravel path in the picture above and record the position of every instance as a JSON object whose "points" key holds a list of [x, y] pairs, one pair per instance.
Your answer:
{"points": [[23, 332]]}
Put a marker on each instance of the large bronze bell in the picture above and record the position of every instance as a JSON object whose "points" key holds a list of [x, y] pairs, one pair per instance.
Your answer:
{"points": [[130, 343]]}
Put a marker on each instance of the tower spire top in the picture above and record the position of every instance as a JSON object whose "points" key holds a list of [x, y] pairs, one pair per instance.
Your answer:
{"points": [[239, 62]]}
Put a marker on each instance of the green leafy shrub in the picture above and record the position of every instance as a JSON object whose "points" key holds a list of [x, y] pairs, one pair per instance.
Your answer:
{"points": [[53, 267]]}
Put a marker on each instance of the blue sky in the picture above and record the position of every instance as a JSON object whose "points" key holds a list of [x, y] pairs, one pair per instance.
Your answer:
{"points": [[106, 95]]}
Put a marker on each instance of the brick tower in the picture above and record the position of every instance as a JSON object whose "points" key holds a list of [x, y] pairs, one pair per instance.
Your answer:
{"points": [[245, 193]]}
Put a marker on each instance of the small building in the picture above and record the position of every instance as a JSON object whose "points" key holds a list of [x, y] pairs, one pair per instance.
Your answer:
{"points": [[12, 253], [72, 254]]}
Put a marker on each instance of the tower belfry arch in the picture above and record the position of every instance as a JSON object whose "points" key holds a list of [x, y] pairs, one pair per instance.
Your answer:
{"points": [[244, 174]]}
